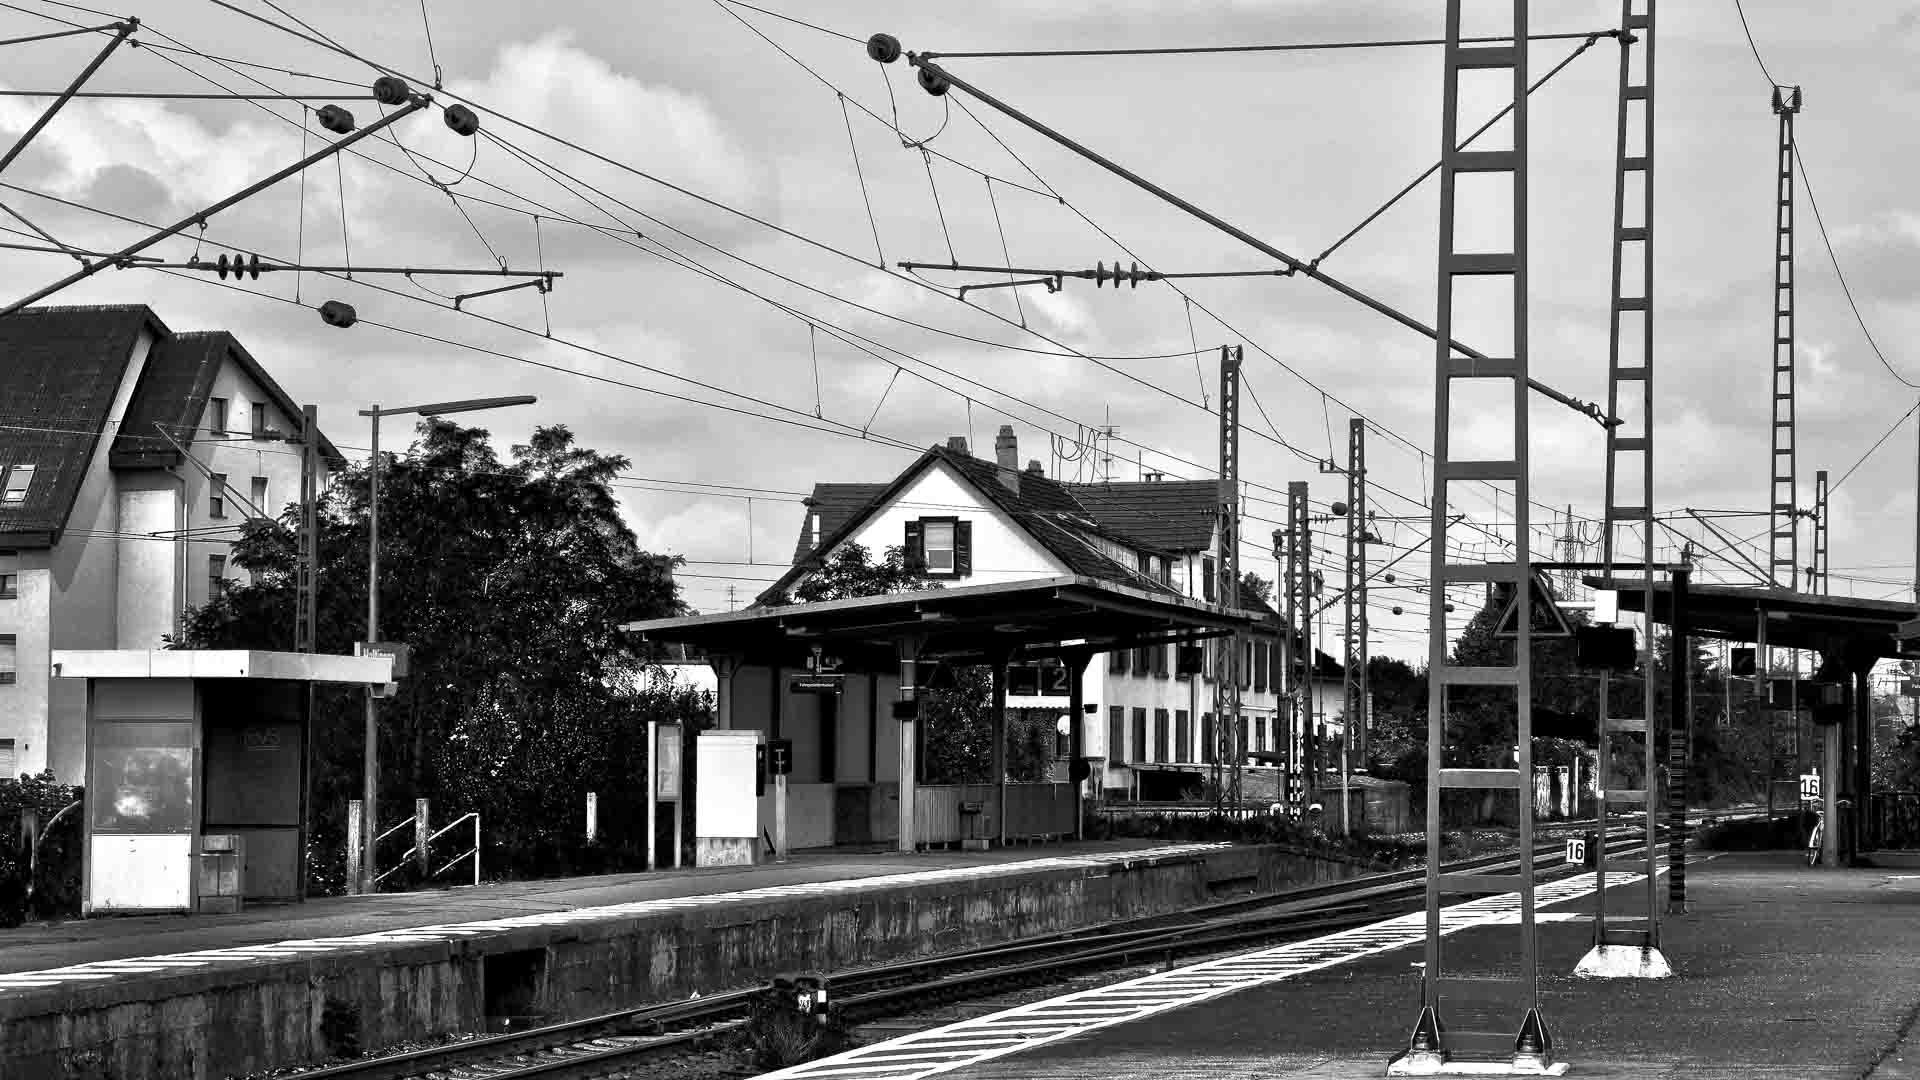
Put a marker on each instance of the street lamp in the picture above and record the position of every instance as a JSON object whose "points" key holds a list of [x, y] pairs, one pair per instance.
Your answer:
{"points": [[369, 818]]}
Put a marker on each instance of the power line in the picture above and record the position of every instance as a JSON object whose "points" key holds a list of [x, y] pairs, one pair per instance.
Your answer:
{"points": [[1203, 50], [1876, 445]]}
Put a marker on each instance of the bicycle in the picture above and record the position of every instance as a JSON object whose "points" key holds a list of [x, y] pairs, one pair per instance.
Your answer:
{"points": [[1819, 828]]}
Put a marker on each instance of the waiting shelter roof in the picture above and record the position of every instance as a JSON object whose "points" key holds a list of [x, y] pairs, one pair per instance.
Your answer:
{"points": [[1795, 620], [968, 624], [219, 664]]}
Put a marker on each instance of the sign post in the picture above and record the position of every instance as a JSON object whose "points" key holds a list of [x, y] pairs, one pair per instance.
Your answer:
{"points": [[663, 785], [780, 763]]}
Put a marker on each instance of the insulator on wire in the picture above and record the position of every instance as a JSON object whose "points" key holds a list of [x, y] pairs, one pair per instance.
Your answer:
{"points": [[1391, 579], [461, 120], [1398, 610], [338, 313], [335, 119], [240, 265], [388, 90], [884, 48], [933, 82], [1339, 509]]}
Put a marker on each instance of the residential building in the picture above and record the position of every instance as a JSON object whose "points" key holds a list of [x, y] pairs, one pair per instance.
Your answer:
{"points": [[108, 530], [1150, 726]]}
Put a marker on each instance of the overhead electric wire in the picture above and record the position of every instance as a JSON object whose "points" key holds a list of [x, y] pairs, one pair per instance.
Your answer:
{"points": [[1876, 445], [1207, 50]]}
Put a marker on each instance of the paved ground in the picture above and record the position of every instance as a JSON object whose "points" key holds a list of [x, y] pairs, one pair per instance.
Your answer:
{"points": [[1780, 971], [54, 945]]}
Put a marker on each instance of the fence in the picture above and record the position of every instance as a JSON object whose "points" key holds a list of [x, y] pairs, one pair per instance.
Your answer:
{"points": [[951, 813], [1893, 821]]}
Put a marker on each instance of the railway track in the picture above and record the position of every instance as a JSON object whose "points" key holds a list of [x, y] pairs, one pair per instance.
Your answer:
{"points": [[612, 1044]]}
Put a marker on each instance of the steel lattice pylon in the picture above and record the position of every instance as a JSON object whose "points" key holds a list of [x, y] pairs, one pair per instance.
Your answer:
{"points": [[1358, 707], [1299, 648], [1817, 573], [1630, 365], [1783, 545], [307, 559], [1434, 1043], [1228, 753]]}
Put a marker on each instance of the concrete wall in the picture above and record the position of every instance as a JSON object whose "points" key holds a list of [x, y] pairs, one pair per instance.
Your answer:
{"points": [[207, 1024]]}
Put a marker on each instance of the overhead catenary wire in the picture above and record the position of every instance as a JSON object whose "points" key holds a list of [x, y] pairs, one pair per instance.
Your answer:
{"points": [[1210, 50]]}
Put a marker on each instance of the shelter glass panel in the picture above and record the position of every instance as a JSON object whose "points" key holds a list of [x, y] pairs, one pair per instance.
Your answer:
{"points": [[142, 778]]}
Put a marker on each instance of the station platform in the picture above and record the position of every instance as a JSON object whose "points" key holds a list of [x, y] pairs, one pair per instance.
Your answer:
{"points": [[1780, 970], [146, 998]]}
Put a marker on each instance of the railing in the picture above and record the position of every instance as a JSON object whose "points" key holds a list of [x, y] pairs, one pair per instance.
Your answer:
{"points": [[473, 853], [418, 853], [1893, 821]]}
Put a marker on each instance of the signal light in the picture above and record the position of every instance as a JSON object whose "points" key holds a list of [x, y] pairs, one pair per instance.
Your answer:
{"points": [[335, 119], [240, 265], [462, 120], [338, 313], [884, 48], [933, 82], [388, 90]]}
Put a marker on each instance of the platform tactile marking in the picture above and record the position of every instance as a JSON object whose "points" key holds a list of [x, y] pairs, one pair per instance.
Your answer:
{"points": [[133, 967], [935, 1050]]}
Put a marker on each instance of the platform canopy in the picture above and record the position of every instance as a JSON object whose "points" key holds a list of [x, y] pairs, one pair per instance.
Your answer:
{"points": [[220, 664], [1860, 629], [970, 624]]}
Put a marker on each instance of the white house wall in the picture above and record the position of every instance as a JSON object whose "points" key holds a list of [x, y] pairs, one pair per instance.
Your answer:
{"points": [[147, 582], [241, 457], [1002, 551]]}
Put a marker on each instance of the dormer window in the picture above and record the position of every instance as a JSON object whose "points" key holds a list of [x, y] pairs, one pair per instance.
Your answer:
{"points": [[19, 479], [941, 547]]}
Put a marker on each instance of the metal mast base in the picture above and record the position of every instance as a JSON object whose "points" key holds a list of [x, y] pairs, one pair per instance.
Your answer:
{"points": [[1623, 962]]}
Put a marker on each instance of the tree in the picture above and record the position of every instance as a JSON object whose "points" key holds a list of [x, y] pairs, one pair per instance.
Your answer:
{"points": [[1255, 587], [852, 572], [509, 581]]}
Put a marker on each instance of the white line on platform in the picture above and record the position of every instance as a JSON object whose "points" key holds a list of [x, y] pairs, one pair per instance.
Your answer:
{"points": [[927, 1053], [236, 955]]}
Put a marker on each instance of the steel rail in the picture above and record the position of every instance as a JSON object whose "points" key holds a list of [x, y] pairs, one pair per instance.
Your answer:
{"points": [[875, 990]]}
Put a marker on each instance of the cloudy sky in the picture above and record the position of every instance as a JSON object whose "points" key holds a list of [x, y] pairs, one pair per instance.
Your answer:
{"points": [[709, 210]]}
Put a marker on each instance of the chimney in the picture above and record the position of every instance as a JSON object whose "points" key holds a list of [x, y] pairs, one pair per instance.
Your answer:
{"points": [[1033, 466], [958, 444], [1006, 451]]}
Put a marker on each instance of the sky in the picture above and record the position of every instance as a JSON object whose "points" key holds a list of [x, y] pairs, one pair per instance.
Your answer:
{"points": [[723, 320]]}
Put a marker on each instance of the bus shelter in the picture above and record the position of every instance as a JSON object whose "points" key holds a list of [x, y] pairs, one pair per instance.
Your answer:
{"points": [[836, 689]]}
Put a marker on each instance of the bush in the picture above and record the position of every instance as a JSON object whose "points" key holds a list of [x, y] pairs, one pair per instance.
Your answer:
{"points": [[778, 1035], [52, 890]]}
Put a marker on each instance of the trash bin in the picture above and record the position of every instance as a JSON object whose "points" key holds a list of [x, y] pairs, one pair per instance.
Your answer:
{"points": [[221, 858]]}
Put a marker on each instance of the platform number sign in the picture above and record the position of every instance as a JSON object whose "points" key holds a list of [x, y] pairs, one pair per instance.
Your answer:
{"points": [[1809, 786], [1576, 850]]}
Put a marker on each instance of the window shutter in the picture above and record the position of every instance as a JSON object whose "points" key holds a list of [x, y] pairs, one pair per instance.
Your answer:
{"points": [[914, 546], [962, 548]]}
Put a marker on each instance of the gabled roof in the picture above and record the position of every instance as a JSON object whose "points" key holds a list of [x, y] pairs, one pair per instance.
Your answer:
{"points": [[1172, 515], [59, 370], [173, 393], [1043, 507], [834, 503]]}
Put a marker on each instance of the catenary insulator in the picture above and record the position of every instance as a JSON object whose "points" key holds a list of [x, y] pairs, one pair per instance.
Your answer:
{"points": [[335, 119], [884, 48], [462, 120], [933, 82], [338, 313], [388, 90]]}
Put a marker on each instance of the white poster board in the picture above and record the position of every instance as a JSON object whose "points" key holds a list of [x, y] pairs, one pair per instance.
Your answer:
{"points": [[726, 803]]}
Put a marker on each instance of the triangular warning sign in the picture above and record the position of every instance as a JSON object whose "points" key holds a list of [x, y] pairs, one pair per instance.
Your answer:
{"points": [[1547, 619]]}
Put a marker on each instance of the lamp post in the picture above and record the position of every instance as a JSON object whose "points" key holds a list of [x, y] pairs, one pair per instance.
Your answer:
{"points": [[369, 818]]}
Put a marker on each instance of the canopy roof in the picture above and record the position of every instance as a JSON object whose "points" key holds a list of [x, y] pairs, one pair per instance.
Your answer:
{"points": [[967, 624], [1860, 628]]}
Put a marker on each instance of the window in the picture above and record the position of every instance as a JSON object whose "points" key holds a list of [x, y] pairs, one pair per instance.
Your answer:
{"points": [[9, 657], [217, 416], [1116, 733], [1262, 654], [1139, 735], [1117, 662], [257, 493], [1160, 668], [1143, 661], [216, 574], [1161, 752], [259, 418], [1182, 736], [9, 765], [1207, 582], [9, 574], [19, 479], [942, 547], [1206, 738], [1260, 733]]}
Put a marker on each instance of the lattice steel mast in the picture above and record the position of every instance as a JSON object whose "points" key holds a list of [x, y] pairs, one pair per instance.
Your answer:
{"points": [[1783, 544], [1433, 1042], [1358, 710], [1630, 338], [1226, 726]]}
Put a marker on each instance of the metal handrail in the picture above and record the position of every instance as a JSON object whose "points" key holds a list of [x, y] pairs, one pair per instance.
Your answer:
{"points": [[383, 875], [474, 851]]}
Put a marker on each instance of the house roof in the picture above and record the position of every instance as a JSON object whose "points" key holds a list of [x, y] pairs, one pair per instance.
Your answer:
{"points": [[834, 503], [173, 393], [1044, 507], [1173, 515], [59, 370]]}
